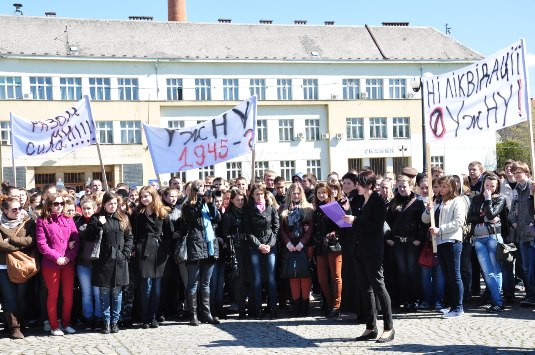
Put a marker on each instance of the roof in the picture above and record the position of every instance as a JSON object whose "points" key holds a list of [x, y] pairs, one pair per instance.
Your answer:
{"points": [[54, 36]]}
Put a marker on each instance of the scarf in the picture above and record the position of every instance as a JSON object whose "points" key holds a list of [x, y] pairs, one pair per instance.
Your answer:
{"points": [[261, 206], [11, 223], [209, 236]]}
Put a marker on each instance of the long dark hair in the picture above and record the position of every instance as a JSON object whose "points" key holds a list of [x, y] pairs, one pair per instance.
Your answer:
{"points": [[108, 196]]}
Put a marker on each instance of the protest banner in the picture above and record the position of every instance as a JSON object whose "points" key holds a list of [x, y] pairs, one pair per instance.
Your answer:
{"points": [[227, 136], [71, 129], [483, 97]]}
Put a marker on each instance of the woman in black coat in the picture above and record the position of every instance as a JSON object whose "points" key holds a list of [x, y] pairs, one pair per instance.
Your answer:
{"points": [[110, 271], [368, 219], [198, 213], [152, 238]]}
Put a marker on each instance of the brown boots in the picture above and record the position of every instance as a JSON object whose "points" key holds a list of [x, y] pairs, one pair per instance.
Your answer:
{"points": [[13, 326]]}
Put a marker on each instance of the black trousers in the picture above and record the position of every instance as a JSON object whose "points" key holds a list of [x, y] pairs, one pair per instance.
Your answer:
{"points": [[371, 283]]}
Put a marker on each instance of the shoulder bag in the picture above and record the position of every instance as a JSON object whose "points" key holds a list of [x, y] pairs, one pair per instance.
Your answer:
{"points": [[91, 249], [21, 266], [295, 265], [181, 250]]}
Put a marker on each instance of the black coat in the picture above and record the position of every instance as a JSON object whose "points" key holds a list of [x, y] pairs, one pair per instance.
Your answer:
{"points": [[194, 230], [111, 268], [81, 225], [481, 209], [152, 239], [406, 222], [368, 226], [261, 228], [323, 225]]}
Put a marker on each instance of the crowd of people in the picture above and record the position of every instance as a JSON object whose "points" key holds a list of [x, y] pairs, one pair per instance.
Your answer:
{"points": [[202, 250]]}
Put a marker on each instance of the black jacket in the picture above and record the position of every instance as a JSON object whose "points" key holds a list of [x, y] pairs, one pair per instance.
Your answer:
{"points": [[194, 230], [81, 225], [323, 225], [481, 209], [232, 226], [111, 268], [261, 228], [368, 226], [406, 223]]}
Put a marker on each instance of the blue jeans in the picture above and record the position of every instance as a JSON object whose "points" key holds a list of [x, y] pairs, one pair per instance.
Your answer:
{"points": [[449, 255], [217, 283], [527, 249], [466, 268], [150, 298], [257, 261], [110, 303], [90, 294], [199, 274], [433, 285], [406, 254], [492, 272], [14, 294]]}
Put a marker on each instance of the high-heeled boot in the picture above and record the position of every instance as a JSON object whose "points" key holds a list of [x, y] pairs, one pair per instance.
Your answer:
{"points": [[192, 299]]}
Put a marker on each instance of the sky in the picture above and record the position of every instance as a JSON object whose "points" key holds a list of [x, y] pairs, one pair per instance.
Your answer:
{"points": [[485, 26]]}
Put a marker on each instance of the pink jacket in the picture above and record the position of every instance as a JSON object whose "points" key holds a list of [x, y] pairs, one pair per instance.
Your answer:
{"points": [[53, 236]]}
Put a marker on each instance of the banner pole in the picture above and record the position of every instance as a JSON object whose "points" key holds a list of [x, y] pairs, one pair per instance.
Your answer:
{"points": [[430, 187], [97, 140], [253, 160], [104, 179], [13, 161]]}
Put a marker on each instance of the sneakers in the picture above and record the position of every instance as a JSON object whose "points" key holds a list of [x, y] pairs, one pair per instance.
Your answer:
{"points": [[439, 306], [453, 313], [443, 310], [496, 308], [485, 306], [68, 329], [56, 332], [46, 326]]}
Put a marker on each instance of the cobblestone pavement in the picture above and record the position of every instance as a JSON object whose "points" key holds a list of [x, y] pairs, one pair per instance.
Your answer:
{"points": [[477, 332]]}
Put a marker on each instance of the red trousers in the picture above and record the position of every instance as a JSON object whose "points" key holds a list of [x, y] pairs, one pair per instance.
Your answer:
{"points": [[330, 263], [53, 278]]}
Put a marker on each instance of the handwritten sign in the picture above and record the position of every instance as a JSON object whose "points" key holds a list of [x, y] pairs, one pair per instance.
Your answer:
{"points": [[485, 96], [71, 129], [227, 136]]}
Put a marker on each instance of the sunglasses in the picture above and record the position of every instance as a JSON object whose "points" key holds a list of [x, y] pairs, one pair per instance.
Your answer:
{"points": [[56, 203]]}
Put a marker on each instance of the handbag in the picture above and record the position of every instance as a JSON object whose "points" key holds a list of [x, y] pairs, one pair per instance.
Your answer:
{"points": [[21, 266], [181, 251], [503, 252], [426, 257], [295, 265], [91, 249]]}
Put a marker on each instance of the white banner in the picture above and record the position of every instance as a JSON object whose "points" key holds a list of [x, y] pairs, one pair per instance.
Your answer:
{"points": [[225, 137], [71, 129], [485, 96]]}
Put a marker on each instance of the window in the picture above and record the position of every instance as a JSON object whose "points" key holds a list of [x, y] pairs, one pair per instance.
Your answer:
{"points": [[261, 131], [206, 171], [351, 89], [312, 130], [5, 133], [310, 89], [286, 130], [128, 89], [260, 168], [70, 88], [355, 128], [203, 89], [399, 163], [401, 127], [284, 89], [43, 179], [398, 88], [378, 128], [105, 131], [437, 160], [10, 87], [355, 163], [233, 170], [230, 89], [130, 132], [374, 88], [174, 89], [41, 87], [181, 175], [100, 88], [177, 124], [287, 169], [314, 167], [258, 87], [378, 165]]}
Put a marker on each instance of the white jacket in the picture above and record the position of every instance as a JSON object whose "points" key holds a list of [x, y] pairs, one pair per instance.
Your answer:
{"points": [[451, 220]]}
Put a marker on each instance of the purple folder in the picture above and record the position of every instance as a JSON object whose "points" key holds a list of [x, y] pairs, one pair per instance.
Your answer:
{"points": [[336, 214]]}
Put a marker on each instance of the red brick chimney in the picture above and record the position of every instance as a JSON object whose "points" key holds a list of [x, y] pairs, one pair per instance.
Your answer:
{"points": [[176, 10]]}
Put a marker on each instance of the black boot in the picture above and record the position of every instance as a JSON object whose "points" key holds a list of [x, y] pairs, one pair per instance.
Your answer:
{"points": [[297, 307], [205, 315], [214, 313], [106, 329], [221, 313], [115, 328], [304, 308], [193, 309]]}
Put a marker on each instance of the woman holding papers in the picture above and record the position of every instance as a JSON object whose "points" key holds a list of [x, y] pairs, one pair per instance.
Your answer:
{"points": [[328, 251]]}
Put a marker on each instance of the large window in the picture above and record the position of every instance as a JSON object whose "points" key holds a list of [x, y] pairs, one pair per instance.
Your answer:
{"points": [[287, 169], [355, 128], [312, 130], [398, 88], [233, 170], [374, 88], [41, 87], [174, 89], [203, 89], [128, 89], [205, 171], [438, 160], [399, 163], [284, 89], [401, 127], [310, 89], [100, 88], [5, 133], [286, 130], [261, 131], [10, 88], [70, 88], [378, 165], [355, 163], [351, 89], [260, 168], [378, 128], [258, 87], [230, 89], [130, 132], [105, 131], [314, 167]]}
